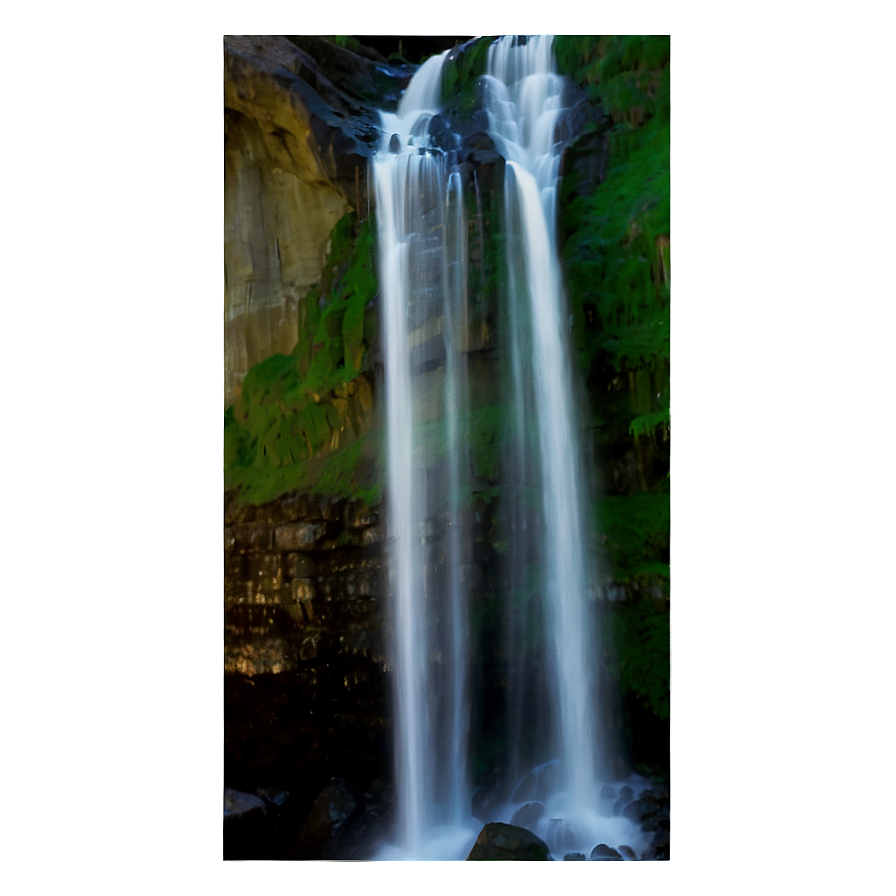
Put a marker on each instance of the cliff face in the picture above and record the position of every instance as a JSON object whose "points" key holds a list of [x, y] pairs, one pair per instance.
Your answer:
{"points": [[305, 590], [295, 162]]}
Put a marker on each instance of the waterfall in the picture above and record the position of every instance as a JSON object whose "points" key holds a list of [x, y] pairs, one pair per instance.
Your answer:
{"points": [[421, 239], [548, 586], [524, 99]]}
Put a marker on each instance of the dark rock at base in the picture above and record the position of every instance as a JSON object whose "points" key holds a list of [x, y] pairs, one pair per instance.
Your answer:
{"points": [[626, 793], [627, 852], [574, 857], [241, 805], [442, 135], [619, 806], [605, 853], [607, 793], [489, 167], [660, 843], [331, 810], [479, 140], [248, 833], [527, 816], [484, 805], [643, 810], [498, 841]]}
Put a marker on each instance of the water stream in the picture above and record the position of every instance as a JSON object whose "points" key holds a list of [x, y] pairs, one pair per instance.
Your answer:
{"points": [[550, 708]]}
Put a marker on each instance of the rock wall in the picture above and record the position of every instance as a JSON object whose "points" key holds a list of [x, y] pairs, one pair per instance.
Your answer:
{"points": [[304, 651], [295, 161]]}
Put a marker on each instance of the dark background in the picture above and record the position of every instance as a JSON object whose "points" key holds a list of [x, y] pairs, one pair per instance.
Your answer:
{"points": [[783, 346]]}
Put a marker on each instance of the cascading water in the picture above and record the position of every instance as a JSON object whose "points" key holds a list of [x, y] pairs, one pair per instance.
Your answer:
{"points": [[524, 99], [550, 694], [421, 258]]}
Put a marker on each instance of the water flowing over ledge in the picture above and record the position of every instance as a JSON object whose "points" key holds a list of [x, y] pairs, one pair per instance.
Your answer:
{"points": [[553, 711]]}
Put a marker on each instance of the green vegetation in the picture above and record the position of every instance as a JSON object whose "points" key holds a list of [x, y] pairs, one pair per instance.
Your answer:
{"points": [[346, 41], [640, 632], [301, 419], [616, 252], [636, 529], [461, 74]]}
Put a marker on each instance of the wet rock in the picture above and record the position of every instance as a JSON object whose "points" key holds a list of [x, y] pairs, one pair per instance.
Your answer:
{"points": [[574, 857], [529, 815], [299, 566], [626, 793], [249, 536], [660, 843], [241, 805], [395, 144], [331, 810], [479, 140], [247, 831], [273, 796], [605, 853], [627, 853], [442, 134], [507, 842], [619, 806], [643, 810], [360, 516], [296, 536], [489, 168], [607, 793]]}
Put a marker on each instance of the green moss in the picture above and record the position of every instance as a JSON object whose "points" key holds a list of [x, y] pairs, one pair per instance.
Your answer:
{"points": [[351, 471], [636, 532], [346, 41], [616, 234], [640, 632], [460, 75], [294, 408]]}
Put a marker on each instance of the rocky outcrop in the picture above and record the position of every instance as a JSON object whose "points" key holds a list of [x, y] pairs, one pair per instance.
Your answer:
{"points": [[303, 579], [296, 143], [507, 842], [304, 646]]}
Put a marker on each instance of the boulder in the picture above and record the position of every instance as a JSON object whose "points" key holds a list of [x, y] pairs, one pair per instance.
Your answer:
{"points": [[239, 805], [643, 810], [498, 841], [660, 843], [295, 536], [574, 857], [605, 853], [273, 795], [529, 815], [329, 813], [248, 833]]}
